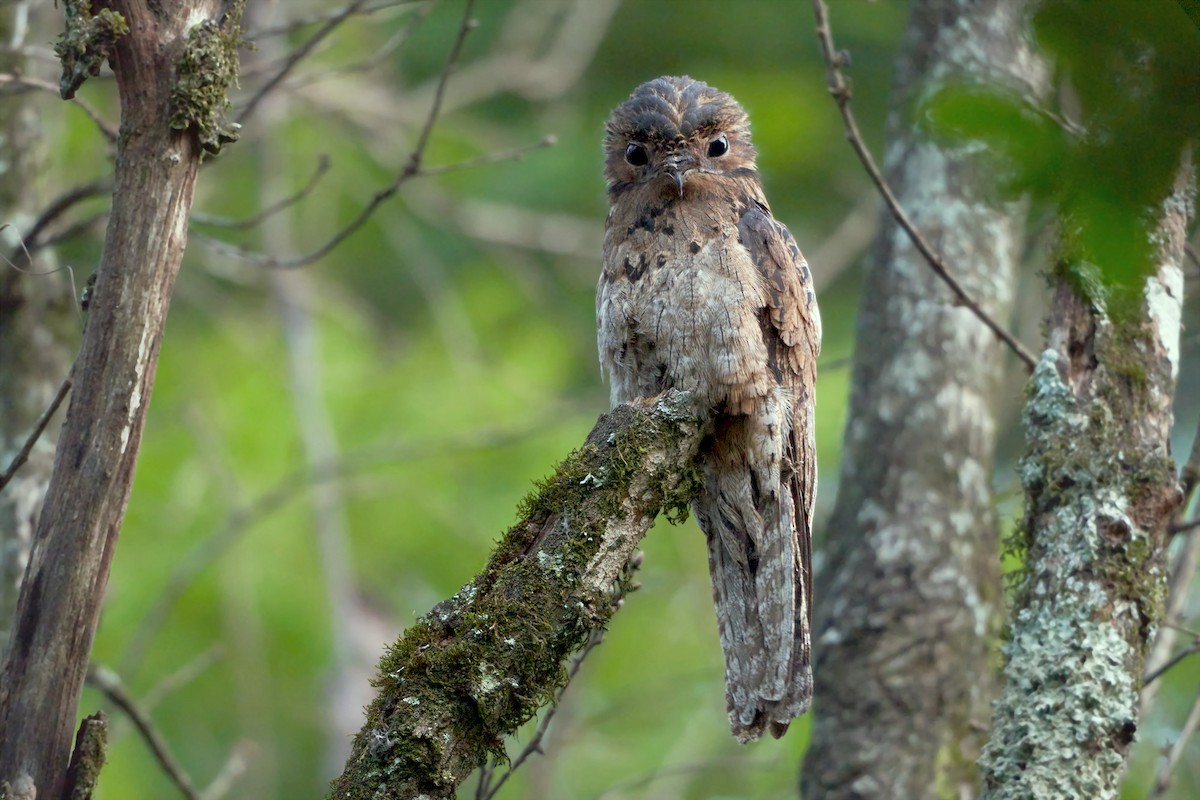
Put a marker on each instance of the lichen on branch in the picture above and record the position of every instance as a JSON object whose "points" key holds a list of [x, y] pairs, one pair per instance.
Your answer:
{"points": [[204, 73], [86, 44]]}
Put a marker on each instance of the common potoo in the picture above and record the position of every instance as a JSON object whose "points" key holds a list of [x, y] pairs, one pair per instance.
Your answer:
{"points": [[704, 291]]}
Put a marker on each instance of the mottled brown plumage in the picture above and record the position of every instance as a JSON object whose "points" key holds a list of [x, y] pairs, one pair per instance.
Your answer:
{"points": [[703, 290]]}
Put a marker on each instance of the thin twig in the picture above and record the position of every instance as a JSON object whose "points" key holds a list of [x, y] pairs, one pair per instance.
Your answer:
{"points": [[303, 22], [299, 54], [515, 154], [1190, 650], [263, 260], [109, 132], [57, 207], [411, 170], [394, 43], [1189, 476], [183, 676], [1179, 584], [235, 767], [271, 210], [839, 87], [439, 96], [1191, 254], [110, 685], [39, 427], [1162, 781], [73, 230]]}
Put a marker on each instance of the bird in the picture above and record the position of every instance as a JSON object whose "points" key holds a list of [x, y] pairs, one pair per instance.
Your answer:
{"points": [[704, 291]]}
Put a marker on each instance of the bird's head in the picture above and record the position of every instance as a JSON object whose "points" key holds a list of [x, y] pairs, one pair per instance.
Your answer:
{"points": [[675, 133]]}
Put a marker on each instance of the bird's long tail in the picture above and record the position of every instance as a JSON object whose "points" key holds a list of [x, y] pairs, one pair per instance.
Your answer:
{"points": [[755, 521]]}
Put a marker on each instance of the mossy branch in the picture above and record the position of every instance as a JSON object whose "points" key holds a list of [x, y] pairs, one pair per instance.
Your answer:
{"points": [[91, 744], [86, 43], [206, 70], [481, 663]]}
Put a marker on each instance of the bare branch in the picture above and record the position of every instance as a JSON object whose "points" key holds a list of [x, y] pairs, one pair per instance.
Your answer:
{"points": [[271, 210], [1175, 753], [394, 43], [1189, 476], [22, 81], [303, 22], [468, 24], [1179, 585], [31, 239], [73, 230], [515, 154], [410, 170], [299, 54], [235, 767], [23, 454], [173, 682], [1190, 650], [839, 87], [110, 685]]}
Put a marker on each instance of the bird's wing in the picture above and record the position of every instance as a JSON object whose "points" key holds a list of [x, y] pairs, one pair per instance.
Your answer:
{"points": [[791, 326]]}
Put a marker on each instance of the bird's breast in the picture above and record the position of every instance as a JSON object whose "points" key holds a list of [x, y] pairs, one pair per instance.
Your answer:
{"points": [[678, 304]]}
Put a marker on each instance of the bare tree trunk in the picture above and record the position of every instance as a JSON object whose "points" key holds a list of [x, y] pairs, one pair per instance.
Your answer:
{"points": [[908, 601], [1100, 489], [172, 66], [37, 328]]}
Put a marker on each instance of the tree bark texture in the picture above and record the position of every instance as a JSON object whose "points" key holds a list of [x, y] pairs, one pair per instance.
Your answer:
{"points": [[481, 663], [908, 601], [1100, 489], [38, 329], [157, 158]]}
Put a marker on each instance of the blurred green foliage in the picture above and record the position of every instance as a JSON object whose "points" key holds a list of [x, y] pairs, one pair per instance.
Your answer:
{"points": [[1129, 72], [456, 360]]}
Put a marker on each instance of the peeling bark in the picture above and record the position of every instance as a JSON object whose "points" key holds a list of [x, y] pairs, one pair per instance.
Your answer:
{"points": [[909, 598], [1100, 490], [59, 604], [481, 663]]}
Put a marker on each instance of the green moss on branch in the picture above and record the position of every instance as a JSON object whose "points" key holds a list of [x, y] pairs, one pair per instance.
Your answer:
{"points": [[204, 73], [482, 662], [86, 44]]}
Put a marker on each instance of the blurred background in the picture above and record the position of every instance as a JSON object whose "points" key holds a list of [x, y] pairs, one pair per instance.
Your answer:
{"points": [[334, 448]]}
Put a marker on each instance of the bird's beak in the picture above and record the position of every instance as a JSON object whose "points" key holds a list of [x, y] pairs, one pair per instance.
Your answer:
{"points": [[677, 176], [677, 167]]}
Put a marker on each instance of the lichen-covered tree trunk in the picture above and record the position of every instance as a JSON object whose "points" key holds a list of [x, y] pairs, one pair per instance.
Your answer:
{"points": [[38, 329], [171, 62], [1100, 489], [908, 600]]}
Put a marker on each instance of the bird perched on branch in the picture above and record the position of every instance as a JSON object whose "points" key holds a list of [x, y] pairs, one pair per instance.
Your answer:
{"points": [[703, 290]]}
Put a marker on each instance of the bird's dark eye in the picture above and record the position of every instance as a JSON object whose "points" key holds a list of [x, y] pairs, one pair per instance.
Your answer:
{"points": [[718, 146], [636, 155]]}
